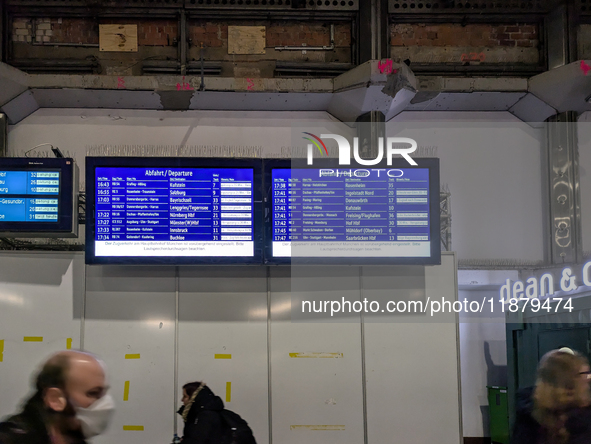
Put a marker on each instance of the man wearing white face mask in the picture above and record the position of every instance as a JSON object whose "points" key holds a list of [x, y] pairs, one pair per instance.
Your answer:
{"points": [[70, 404]]}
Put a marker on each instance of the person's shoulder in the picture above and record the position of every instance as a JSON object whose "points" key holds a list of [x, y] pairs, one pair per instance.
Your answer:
{"points": [[14, 430], [524, 400]]}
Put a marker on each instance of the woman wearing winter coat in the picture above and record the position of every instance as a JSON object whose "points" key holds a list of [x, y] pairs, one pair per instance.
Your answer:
{"points": [[201, 413], [558, 409]]}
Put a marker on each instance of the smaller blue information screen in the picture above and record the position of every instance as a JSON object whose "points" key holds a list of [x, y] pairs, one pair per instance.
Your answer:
{"points": [[351, 213], [145, 212], [29, 196]]}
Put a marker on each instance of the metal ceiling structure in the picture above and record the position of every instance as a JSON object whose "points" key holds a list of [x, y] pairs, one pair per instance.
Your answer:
{"points": [[347, 96]]}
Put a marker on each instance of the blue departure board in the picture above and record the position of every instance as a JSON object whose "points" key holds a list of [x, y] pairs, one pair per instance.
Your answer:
{"points": [[338, 213], [29, 196], [170, 212]]}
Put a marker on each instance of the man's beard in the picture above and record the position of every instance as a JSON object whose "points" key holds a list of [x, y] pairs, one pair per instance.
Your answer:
{"points": [[66, 422]]}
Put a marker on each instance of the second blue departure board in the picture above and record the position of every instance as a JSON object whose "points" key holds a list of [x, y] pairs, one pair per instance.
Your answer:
{"points": [[355, 215], [151, 211]]}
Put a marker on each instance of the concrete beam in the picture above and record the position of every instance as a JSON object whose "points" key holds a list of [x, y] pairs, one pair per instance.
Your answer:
{"points": [[565, 88], [14, 82], [372, 86], [532, 110], [20, 107]]}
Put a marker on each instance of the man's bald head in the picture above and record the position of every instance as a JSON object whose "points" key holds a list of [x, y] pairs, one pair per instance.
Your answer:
{"points": [[71, 376]]}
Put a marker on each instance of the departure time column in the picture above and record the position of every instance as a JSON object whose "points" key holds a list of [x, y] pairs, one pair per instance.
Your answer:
{"points": [[103, 208]]}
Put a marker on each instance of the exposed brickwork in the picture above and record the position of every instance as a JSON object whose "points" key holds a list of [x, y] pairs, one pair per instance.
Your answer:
{"points": [[481, 35], [157, 40], [70, 30], [290, 34], [151, 32], [342, 36], [45, 30], [212, 35], [164, 32]]}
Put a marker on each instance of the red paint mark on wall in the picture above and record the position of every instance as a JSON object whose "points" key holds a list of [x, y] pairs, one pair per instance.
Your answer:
{"points": [[184, 86], [584, 67], [120, 83], [473, 57], [250, 84], [385, 67]]}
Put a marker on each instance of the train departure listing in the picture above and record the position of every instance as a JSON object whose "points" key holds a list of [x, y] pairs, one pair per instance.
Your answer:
{"points": [[174, 212], [29, 196], [362, 213]]}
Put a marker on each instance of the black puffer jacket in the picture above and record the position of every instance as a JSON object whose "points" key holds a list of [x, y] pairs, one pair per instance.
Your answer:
{"points": [[528, 431], [204, 422], [28, 427]]}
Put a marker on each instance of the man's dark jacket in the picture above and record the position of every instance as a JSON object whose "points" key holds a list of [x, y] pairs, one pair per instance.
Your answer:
{"points": [[28, 427], [204, 423]]}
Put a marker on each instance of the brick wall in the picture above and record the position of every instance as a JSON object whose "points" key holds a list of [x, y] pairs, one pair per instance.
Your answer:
{"points": [[289, 34], [45, 30], [215, 34], [470, 35], [157, 39], [163, 32], [211, 34], [86, 31], [151, 32], [454, 43], [584, 42]]}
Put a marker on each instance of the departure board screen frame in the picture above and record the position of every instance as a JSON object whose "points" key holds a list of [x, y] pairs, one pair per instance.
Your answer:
{"points": [[92, 163], [431, 164], [39, 199]]}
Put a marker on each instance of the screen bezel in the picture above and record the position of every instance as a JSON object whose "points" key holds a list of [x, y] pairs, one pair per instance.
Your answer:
{"points": [[432, 164], [171, 162], [66, 209]]}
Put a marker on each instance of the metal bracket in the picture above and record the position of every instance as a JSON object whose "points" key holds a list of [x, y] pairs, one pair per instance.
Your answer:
{"points": [[565, 213]]}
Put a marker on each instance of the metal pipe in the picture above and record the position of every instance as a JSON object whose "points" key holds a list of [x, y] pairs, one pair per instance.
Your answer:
{"points": [[183, 47], [176, 347], [202, 86], [310, 48], [86, 45], [3, 135], [363, 367], [269, 380]]}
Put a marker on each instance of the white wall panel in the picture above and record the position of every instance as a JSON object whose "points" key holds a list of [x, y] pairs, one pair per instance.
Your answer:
{"points": [[411, 369], [312, 392], [412, 372], [494, 170], [131, 311], [483, 349], [73, 130], [495, 173], [41, 300], [223, 311]]}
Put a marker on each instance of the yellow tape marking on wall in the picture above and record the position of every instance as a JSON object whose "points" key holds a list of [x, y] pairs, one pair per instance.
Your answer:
{"points": [[317, 427], [315, 355], [1, 350], [33, 339], [133, 356], [126, 391], [228, 391], [133, 428], [218, 356], [69, 343]]}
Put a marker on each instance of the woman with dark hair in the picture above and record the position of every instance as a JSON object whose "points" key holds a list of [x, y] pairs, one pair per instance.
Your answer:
{"points": [[559, 410], [201, 412]]}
